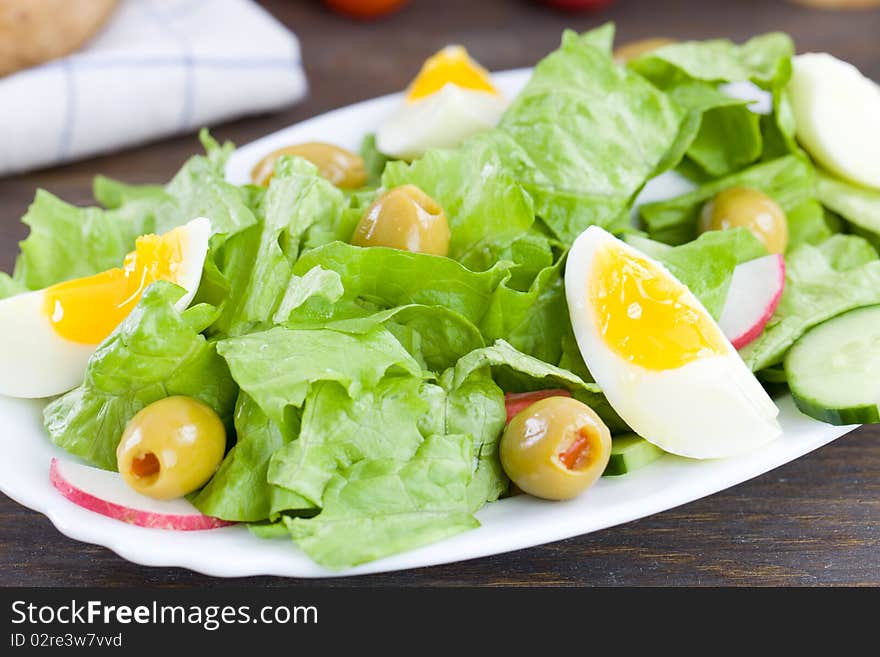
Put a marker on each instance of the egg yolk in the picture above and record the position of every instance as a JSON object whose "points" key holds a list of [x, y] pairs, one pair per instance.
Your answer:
{"points": [[645, 316], [86, 310], [450, 65]]}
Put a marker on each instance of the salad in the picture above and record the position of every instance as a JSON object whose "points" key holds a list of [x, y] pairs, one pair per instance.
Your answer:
{"points": [[356, 352]]}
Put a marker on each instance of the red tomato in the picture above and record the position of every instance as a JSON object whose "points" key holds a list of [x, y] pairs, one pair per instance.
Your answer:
{"points": [[365, 9], [578, 5], [515, 402]]}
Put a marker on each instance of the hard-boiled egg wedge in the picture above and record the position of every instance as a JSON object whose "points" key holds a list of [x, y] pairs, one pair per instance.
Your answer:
{"points": [[837, 115], [47, 336], [658, 355], [451, 99]]}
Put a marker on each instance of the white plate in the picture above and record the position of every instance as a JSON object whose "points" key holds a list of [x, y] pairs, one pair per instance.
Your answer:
{"points": [[509, 524]]}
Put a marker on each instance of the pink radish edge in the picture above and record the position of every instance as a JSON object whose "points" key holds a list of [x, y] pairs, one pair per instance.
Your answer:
{"points": [[152, 520], [756, 329]]}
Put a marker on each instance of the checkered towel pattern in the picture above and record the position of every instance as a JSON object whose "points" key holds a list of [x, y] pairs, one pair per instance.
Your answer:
{"points": [[159, 67]]}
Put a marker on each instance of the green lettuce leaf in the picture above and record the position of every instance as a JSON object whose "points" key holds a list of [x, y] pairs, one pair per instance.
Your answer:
{"points": [[728, 140], [374, 161], [518, 372], [435, 336], [156, 352], [240, 490], [764, 60], [68, 242], [789, 181], [719, 134], [532, 252], [820, 282], [486, 208], [592, 134], [113, 194], [808, 223], [199, 189], [386, 278], [311, 295], [534, 320], [260, 263], [860, 206], [9, 286], [276, 367], [380, 507], [391, 421], [564, 150], [339, 430]]}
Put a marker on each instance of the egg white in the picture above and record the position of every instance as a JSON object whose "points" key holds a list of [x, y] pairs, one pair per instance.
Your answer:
{"points": [[712, 407], [36, 362], [442, 120]]}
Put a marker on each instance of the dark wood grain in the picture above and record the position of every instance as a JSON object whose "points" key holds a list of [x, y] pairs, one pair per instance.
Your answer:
{"points": [[814, 521]]}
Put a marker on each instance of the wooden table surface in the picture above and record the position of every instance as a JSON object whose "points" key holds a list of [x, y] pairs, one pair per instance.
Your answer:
{"points": [[813, 521]]}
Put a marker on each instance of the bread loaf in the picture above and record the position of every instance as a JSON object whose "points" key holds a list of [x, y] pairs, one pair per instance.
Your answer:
{"points": [[36, 31]]}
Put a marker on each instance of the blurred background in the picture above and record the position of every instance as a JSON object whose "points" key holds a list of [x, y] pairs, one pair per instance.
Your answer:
{"points": [[350, 50]]}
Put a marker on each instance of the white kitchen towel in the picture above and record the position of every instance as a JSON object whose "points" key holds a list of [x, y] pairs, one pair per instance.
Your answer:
{"points": [[159, 67]]}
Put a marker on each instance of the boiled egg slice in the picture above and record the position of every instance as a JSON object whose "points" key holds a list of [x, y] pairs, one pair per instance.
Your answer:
{"points": [[837, 116], [48, 336], [451, 99], [659, 357]]}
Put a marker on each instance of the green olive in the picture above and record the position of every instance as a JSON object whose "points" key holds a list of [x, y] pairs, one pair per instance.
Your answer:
{"points": [[171, 448], [341, 167], [747, 208], [556, 448], [404, 218]]}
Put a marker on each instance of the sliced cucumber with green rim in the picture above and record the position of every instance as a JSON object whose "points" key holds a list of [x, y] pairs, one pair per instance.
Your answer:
{"points": [[834, 369], [630, 452]]}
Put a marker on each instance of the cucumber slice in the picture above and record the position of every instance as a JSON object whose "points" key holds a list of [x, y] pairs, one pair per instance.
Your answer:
{"points": [[630, 452], [834, 369]]}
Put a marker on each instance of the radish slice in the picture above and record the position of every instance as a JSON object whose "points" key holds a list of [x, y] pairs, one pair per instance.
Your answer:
{"points": [[104, 492], [836, 111], [754, 293]]}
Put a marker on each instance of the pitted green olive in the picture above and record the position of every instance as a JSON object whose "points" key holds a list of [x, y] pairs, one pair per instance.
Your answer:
{"points": [[404, 218], [171, 448], [747, 208], [341, 167], [556, 448]]}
